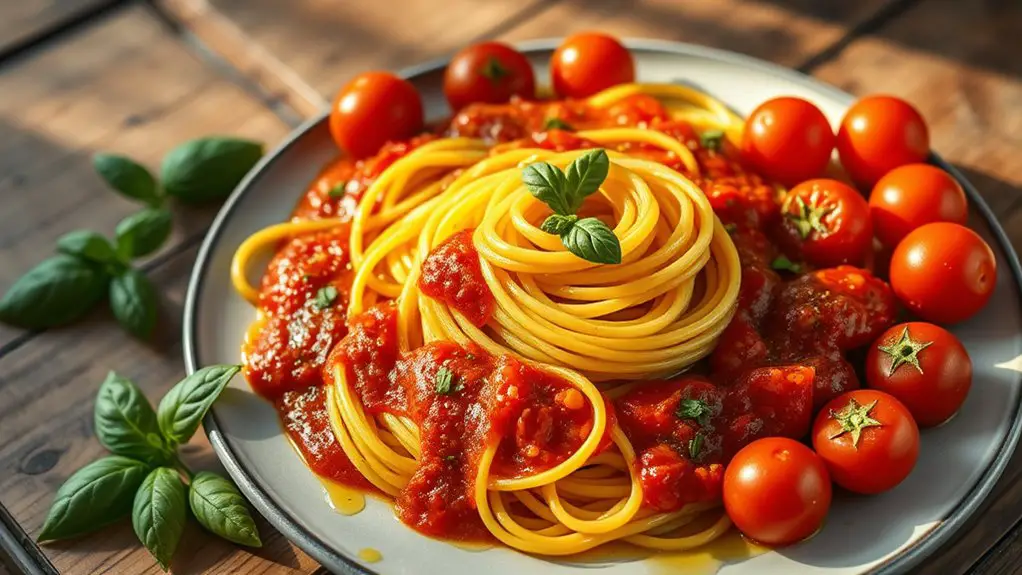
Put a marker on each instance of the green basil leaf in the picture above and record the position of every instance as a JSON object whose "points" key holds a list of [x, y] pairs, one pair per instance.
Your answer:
{"points": [[591, 240], [546, 182], [555, 123], [126, 424], [159, 512], [134, 302], [584, 176], [557, 224], [783, 263], [220, 508], [87, 245], [129, 178], [57, 291], [93, 497], [208, 169], [184, 406], [143, 232]]}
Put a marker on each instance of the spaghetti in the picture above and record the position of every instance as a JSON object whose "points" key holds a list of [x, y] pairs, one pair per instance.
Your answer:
{"points": [[545, 333]]}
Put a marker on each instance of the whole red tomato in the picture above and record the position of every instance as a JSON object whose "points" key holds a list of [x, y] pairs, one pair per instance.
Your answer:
{"points": [[373, 109], [587, 63], [827, 222], [943, 272], [868, 440], [878, 134], [489, 72], [924, 366], [777, 491], [788, 140], [914, 195]]}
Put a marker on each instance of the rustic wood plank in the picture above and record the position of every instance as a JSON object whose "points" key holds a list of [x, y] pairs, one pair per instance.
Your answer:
{"points": [[950, 59], [126, 85], [783, 31], [46, 434], [23, 20], [313, 46]]}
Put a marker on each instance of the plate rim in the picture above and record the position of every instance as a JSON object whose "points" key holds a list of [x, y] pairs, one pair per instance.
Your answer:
{"points": [[291, 526]]}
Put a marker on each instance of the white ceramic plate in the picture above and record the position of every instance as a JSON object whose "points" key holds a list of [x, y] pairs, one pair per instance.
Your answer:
{"points": [[958, 464]]}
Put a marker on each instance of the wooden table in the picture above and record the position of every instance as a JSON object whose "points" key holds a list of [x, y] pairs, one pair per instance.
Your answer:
{"points": [[77, 76]]}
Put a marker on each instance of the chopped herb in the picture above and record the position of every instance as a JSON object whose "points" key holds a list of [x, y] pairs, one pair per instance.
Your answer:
{"points": [[695, 409], [695, 445], [444, 381], [731, 228], [783, 263], [712, 139], [325, 297], [555, 123], [451, 458], [493, 70], [337, 190]]}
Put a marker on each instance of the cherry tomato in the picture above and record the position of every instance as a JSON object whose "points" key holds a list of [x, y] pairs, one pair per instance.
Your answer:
{"points": [[489, 72], [924, 366], [777, 491], [878, 134], [913, 195], [827, 223], [788, 140], [373, 109], [943, 272], [588, 63], [868, 440]]}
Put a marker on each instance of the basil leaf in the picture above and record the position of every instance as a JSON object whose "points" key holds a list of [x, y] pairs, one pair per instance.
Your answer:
{"points": [[143, 232], [129, 178], [184, 406], [712, 139], [557, 224], [134, 302], [93, 497], [57, 291], [208, 169], [546, 182], [783, 263], [584, 176], [159, 512], [126, 424], [325, 297], [555, 123], [87, 245], [220, 508], [591, 240]]}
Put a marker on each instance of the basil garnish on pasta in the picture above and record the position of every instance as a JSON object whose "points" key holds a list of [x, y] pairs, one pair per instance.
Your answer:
{"points": [[564, 191]]}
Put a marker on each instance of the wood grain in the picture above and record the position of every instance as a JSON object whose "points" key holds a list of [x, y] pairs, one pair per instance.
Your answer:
{"points": [[46, 434], [325, 43], [784, 31], [950, 59], [23, 20], [125, 85]]}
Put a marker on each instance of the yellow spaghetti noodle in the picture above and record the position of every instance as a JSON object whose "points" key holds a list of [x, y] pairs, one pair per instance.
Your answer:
{"points": [[653, 315]]}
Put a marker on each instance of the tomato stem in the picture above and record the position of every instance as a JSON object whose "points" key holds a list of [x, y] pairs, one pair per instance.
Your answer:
{"points": [[904, 351], [853, 418]]}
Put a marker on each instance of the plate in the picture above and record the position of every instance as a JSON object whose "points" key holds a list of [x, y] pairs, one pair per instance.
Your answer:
{"points": [[958, 465]]}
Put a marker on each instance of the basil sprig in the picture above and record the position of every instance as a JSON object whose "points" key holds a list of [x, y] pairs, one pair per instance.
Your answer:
{"points": [[145, 477], [89, 266], [564, 192]]}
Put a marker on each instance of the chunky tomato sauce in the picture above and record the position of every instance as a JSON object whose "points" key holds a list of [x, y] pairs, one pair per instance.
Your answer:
{"points": [[462, 399], [780, 359], [452, 274]]}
